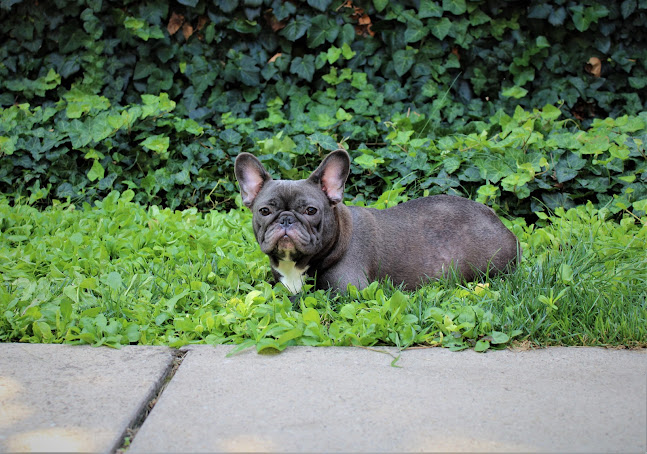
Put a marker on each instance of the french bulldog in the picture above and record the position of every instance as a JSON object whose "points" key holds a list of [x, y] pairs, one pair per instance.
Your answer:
{"points": [[306, 230]]}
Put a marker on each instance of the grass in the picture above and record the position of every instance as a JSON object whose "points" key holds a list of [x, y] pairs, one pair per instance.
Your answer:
{"points": [[119, 273]]}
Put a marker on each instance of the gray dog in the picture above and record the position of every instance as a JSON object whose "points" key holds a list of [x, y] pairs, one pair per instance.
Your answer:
{"points": [[305, 229]]}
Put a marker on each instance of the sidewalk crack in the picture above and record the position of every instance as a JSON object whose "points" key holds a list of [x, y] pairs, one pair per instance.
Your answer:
{"points": [[131, 431]]}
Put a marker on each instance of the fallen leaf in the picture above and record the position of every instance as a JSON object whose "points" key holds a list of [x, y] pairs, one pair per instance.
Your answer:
{"points": [[274, 23], [175, 23], [202, 21], [364, 20], [187, 30], [594, 66], [273, 59]]}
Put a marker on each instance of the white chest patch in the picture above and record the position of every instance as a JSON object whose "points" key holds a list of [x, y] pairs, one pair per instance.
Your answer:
{"points": [[291, 276]]}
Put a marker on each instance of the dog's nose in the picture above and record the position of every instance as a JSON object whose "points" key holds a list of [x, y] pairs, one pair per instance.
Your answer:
{"points": [[286, 220]]}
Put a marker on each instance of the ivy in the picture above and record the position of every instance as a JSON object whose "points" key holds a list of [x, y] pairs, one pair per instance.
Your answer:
{"points": [[509, 103]]}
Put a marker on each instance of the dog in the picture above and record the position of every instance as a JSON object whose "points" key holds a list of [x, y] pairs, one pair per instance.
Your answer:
{"points": [[306, 230]]}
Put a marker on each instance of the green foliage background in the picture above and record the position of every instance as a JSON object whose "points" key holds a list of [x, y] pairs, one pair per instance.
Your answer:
{"points": [[436, 96], [114, 114]]}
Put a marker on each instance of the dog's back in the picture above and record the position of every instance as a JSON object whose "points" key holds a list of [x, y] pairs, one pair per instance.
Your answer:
{"points": [[424, 238]]}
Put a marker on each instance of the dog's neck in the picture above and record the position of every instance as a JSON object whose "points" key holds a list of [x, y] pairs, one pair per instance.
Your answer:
{"points": [[338, 246]]}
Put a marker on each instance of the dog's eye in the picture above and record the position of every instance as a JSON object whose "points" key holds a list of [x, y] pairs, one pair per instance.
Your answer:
{"points": [[311, 211], [264, 211]]}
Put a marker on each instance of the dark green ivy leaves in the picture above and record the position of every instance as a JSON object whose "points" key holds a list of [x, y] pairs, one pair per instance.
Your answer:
{"points": [[303, 67], [239, 73], [323, 29], [296, 28]]}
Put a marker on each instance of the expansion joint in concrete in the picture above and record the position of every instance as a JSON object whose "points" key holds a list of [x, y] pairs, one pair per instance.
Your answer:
{"points": [[131, 431]]}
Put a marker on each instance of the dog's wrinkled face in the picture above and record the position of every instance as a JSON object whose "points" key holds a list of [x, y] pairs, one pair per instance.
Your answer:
{"points": [[288, 219], [293, 220]]}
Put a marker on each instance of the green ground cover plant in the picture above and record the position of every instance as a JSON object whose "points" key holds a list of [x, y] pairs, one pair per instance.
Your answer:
{"points": [[119, 273], [120, 121]]}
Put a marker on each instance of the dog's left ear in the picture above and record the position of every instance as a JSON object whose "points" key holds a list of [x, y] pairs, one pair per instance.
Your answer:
{"points": [[331, 175], [251, 176]]}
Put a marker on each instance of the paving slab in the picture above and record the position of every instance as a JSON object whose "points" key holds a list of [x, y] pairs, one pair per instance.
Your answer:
{"points": [[353, 400], [74, 398]]}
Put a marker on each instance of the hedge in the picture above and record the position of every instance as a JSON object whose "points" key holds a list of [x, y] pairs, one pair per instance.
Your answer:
{"points": [[521, 104]]}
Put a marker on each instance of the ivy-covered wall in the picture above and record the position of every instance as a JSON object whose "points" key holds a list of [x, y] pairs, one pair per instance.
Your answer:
{"points": [[463, 59], [158, 96]]}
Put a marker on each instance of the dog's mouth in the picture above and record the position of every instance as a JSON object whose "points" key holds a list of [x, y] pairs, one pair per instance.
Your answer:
{"points": [[285, 242], [279, 237], [286, 246], [282, 241]]}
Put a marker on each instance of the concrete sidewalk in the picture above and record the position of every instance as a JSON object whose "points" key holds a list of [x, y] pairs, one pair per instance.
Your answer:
{"points": [[84, 399]]}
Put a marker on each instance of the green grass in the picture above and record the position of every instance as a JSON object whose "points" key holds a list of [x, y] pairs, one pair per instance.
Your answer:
{"points": [[584, 282], [120, 273]]}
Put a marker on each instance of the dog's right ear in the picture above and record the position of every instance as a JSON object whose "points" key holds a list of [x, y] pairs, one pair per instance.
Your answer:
{"points": [[251, 176], [331, 175]]}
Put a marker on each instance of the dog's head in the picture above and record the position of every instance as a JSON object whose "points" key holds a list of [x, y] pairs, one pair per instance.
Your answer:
{"points": [[293, 220]]}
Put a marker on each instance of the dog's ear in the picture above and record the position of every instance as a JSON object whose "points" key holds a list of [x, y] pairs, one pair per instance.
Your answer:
{"points": [[331, 175], [251, 176]]}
